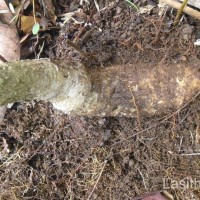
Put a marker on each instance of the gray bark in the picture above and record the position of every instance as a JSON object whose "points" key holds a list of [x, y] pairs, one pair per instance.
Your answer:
{"points": [[42, 80]]}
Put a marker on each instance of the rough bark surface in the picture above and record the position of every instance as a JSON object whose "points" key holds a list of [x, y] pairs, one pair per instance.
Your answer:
{"points": [[25, 80]]}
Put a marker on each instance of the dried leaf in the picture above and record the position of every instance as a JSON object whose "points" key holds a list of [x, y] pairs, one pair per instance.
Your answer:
{"points": [[9, 41], [7, 17], [146, 9], [27, 23], [15, 2]]}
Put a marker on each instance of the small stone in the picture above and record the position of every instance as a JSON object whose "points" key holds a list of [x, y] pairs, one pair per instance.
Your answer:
{"points": [[183, 58], [102, 121], [107, 134], [131, 163], [187, 32], [118, 10]]}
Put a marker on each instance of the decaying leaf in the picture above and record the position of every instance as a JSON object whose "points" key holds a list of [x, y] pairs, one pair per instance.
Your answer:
{"points": [[9, 43], [27, 23], [15, 2], [146, 9]]}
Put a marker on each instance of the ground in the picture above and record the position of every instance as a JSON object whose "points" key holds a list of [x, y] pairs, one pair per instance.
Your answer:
{"points": [[45, 154]]}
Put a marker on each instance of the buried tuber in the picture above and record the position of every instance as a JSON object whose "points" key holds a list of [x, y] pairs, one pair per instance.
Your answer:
{"points": [[149, 89]]}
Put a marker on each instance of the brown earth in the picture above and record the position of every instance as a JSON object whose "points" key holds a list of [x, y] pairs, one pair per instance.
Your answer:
{"points": [[47, 155]]}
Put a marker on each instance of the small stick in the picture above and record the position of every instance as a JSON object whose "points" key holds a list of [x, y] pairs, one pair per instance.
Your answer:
{"points": [[97, 180], [188, 10], [142, 179], [167, 194], [180, 12], [190, 154], [136, 107]]}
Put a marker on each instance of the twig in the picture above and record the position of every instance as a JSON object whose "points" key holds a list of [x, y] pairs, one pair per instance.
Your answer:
{"points": [[136, 107], [34, 11], [188, 10], [181, 141], [142, 178], [197, 137], [180, 11], [190, 154], [105, 162], [41, 49]]}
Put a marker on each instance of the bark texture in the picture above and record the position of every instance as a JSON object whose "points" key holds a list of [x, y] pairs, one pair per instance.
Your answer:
{"points": [[128, 90], [41, 79]]}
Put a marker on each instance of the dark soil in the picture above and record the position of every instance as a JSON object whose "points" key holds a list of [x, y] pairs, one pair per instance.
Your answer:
{"points": [[47, 155]]}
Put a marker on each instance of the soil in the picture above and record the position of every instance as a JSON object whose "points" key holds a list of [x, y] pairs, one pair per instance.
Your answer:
{"points": [[45, 154]]}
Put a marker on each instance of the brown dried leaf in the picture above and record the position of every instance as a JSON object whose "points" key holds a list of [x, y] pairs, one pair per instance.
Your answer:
{"points": [[27, 23], [9, 41]]}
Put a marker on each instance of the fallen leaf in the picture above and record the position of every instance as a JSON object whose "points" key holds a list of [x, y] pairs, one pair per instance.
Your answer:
{"points": [[27, 23], [146, 9], [9, 43]]}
